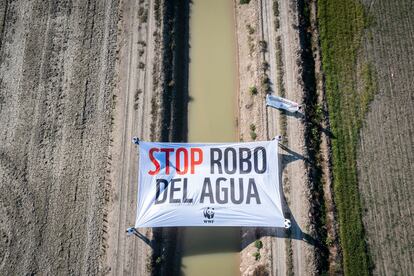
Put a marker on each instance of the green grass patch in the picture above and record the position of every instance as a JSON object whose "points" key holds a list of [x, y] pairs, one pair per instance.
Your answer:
{"points": [[258, 244], [253, 134], [253, 90], [349, 90]]}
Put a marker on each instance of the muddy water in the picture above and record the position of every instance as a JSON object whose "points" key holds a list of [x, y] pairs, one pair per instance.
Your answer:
{"points": [[212, 251]]}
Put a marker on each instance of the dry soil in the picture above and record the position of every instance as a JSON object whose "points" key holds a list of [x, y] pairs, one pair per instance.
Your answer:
{"points": [[57, 67], [386, 156]]}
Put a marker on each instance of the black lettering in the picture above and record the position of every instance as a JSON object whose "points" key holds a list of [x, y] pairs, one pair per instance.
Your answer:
{"points": [[245, 160], [252, 192], [256, 160], [217, 161], [185, 199], [158, 191], [226, 160], [233, 192], [205, 193], [173, 190], [223, 189]]}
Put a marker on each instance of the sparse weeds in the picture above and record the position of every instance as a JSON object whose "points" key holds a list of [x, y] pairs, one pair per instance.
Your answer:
{"points": [[265, 83], [263, 46], [143, 15], [250, 29], [251, 44], [253, 90], [253, 134], [259, 245], [257, 255]]}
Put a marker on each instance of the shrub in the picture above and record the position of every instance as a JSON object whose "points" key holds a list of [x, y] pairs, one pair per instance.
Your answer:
{"points": [[263, 45], [250, 29], [258, 244], [256, 256], [242, 2], [266, 87], [275, 8], [144, 17], [265, 79], [137, 93], [148, 263], [253, 90], [252, 127], [277, 23]]}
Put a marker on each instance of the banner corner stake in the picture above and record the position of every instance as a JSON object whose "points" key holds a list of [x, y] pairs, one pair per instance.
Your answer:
{"points": [[135, 140], [278, 138]]}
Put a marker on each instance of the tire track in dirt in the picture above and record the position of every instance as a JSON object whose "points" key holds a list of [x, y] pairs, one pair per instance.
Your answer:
{"points": [[129, 255], [278, 245], [56, 72]]}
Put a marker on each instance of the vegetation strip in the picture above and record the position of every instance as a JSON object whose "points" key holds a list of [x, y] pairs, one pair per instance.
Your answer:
{"points": [[313, 119], [174, 102], [341, 26]]}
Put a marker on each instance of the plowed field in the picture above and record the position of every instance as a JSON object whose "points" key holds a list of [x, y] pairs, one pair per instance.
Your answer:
{"points": [[385, 156], [56, 78]]}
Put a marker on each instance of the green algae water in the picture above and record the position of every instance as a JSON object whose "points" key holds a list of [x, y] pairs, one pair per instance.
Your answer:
{"points": [[212, 88]]}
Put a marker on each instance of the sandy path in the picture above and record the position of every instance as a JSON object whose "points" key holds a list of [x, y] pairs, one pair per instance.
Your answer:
{"points": [[128, 255], [277, 243], [303, 262], [276, 253]]}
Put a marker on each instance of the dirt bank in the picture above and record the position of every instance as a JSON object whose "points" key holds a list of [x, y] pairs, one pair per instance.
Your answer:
{"points": [[151, 103], [137, 106], [269, 59], [57, 67]]}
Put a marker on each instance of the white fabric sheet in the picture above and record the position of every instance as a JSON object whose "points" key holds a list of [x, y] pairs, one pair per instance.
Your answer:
{"points": [[209, 185], [281, 103]]}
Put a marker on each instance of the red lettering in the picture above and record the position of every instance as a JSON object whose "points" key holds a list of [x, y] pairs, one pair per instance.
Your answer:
{"points": [[167, 159], [154, 161], [177, 160], [181, 160], [195, 162]]}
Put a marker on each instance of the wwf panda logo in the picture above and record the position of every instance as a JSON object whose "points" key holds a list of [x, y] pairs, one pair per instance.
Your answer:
{"points": [[208, 213]]}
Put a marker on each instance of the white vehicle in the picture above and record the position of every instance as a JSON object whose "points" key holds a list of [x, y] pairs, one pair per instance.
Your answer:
{"points": [[281, 103]]}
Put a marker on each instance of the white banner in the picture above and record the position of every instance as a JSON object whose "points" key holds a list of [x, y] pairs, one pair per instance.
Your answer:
{"points": [[209, 185]]}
